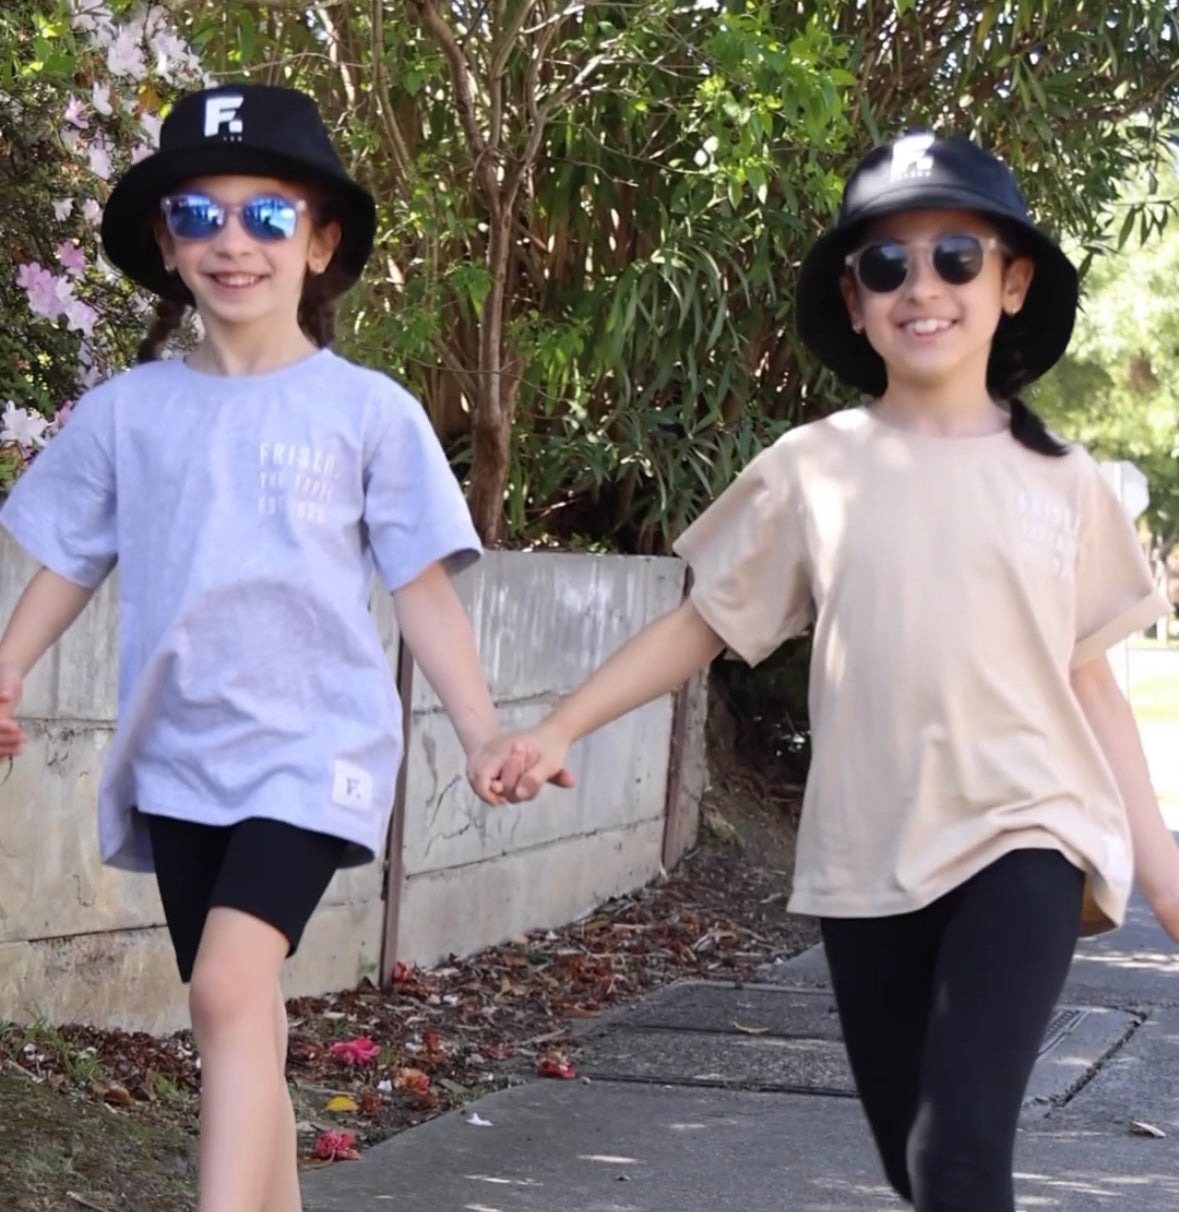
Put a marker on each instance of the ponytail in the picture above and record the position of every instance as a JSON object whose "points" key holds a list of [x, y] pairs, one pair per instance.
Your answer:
{"points": [[1007, 375], [317, 307], [1030, 431], [169, 317]]}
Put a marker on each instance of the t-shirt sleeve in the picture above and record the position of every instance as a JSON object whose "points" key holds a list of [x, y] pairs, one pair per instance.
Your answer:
{"points": [[414, 510], [747, 552], [62, 510], [1116, 595]]}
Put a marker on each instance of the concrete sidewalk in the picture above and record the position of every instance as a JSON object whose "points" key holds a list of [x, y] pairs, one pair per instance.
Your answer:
{"points": [[709, 1097]]}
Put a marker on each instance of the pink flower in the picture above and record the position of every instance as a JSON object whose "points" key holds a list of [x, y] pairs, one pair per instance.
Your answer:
{"points": [[102, 99], [172, 56], [140, 151], [92, 212], [355, 1051], [42, 289], [75, 114], [71, 258], [151, 124], [22, 426], [125, 58], [80, 317], [62, 209], [99, 157]]}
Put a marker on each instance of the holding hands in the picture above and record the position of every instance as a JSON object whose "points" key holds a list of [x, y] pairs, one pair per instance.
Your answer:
{"points": [[516, 765]]}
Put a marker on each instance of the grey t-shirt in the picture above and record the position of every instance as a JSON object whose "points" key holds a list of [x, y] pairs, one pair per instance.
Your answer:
{"points": [[247, 515]]}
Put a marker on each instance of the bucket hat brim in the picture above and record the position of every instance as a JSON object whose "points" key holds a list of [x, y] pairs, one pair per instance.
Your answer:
{"points": [[1042, 328]]}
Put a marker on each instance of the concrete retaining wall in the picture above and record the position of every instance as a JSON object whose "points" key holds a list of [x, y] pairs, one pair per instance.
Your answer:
{"points": [[82, 943], [543, 622]]}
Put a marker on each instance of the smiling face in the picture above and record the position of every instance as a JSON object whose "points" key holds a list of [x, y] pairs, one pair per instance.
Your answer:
{"points": [[935, 335], [237, 278]]}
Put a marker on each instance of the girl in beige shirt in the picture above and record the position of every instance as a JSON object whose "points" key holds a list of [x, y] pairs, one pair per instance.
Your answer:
{"points": [[978, 794]]}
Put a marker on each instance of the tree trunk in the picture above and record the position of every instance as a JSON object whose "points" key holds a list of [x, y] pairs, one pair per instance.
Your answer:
{"points": [[498, 377]]}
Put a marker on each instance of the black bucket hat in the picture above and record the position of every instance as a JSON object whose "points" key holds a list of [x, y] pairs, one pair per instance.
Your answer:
{"points": [[249, 129], [921, 171]]}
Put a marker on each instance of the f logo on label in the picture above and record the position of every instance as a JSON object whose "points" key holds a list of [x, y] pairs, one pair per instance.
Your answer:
{"points": [[221, 116], [911, 158]]}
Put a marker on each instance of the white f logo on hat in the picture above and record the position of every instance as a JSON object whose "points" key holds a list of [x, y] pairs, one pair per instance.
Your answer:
{"points": [[221, 114], [911, 158]]}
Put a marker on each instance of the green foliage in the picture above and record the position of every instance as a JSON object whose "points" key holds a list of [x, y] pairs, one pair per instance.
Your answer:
{"points": [[1117, 389], [661, 169], [683, 157]]}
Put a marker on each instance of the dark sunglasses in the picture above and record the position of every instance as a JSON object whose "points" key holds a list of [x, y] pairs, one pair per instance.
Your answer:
{"points": [[884, 265], [198, 217]]}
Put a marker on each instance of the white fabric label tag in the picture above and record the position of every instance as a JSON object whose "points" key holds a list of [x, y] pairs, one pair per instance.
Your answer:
{"points": [[352, 787]]}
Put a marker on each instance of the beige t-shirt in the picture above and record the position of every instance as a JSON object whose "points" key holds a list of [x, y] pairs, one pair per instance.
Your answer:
{"points": [[952, 583]]}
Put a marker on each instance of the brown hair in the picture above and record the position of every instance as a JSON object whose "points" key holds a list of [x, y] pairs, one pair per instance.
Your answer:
{"points": [[317, 306]]}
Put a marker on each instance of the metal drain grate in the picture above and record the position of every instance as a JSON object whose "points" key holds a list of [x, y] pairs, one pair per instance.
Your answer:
{"points": [[1061, 1023]]}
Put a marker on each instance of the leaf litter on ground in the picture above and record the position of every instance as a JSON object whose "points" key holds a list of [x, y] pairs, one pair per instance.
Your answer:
{"points": [[369, 1062]]}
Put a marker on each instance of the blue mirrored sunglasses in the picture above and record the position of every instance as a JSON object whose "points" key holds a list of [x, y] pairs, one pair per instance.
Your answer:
{"points": [[199, 217]]}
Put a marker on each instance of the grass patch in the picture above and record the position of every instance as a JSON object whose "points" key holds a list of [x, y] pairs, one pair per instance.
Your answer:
{"points": [[57, 1146], [1155, 698]]}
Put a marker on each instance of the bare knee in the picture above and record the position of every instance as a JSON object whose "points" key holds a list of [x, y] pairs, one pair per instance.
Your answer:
{"points": [[222, 995], [235, 975]]}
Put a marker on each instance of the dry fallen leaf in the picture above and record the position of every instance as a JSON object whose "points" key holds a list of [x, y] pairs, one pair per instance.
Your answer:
{"points": [[340, 1102], [751, 1030], [1141, 1128], [411, 1079], [117, 1096]]}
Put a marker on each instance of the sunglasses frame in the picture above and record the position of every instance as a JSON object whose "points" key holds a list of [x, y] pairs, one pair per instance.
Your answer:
{"points": [[987, 244], [235, 209]]}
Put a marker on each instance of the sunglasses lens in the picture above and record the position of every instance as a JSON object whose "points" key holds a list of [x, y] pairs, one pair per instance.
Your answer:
{"points": [[270, 218], [958, 259], [883, 267], [193, 216]]}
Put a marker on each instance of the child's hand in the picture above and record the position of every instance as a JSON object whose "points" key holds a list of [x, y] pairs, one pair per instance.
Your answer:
{"points": [[11, 736], [515, 765], [1166, 910]]}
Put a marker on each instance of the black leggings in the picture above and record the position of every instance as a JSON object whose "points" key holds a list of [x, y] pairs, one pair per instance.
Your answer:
{"points": [[943, 1013]]}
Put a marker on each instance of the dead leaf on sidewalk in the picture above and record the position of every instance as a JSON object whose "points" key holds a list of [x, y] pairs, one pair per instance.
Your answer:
{"points": [[750, 1030], [1140, 1127]]}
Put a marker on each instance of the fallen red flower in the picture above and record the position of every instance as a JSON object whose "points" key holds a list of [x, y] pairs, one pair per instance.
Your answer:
{"points": [[334, 1145], [552, 1066], [356, 1051]]}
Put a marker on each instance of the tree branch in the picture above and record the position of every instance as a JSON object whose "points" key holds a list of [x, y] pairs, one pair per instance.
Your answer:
{"points": [[390, 131], [464, 101]]}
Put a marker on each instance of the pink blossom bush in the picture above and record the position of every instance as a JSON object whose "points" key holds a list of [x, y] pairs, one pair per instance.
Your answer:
{"points": [[70, 320]]}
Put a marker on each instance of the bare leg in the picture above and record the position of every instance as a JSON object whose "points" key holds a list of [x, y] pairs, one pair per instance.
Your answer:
{"points": [[233, 1019], [282, 1187]]}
